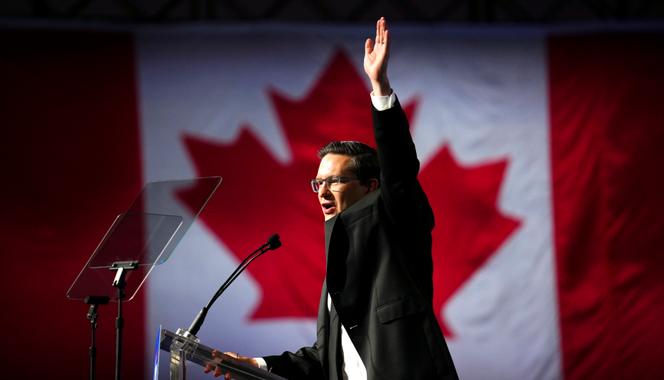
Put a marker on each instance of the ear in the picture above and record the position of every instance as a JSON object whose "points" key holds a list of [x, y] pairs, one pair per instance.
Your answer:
{"points": [[372, 185]]}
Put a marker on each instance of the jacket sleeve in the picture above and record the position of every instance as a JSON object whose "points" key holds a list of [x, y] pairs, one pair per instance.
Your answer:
{"points": [[302, 365], [405, 200]]}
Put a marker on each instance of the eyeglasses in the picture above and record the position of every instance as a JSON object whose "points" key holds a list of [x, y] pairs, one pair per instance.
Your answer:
{"points": [[333, 182]]}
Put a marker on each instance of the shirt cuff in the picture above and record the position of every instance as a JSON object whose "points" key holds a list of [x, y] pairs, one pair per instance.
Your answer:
{"points": [[262, 364], [382, 103]]}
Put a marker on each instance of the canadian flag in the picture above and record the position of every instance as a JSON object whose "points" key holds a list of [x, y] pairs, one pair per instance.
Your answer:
{"points": [[541, 156]]}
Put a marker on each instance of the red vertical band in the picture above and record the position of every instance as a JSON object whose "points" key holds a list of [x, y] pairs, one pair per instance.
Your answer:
{"points": [[607, 136], [71, 162]]}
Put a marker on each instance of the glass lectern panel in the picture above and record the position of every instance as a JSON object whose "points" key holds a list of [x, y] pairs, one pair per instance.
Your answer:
{"points": [[180, 350]]}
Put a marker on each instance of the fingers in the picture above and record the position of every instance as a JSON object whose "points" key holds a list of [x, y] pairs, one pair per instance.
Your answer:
{"points": [[212, 367], [217, 372], [382, 36], [381, 31], [368, 46], [209, 367]]}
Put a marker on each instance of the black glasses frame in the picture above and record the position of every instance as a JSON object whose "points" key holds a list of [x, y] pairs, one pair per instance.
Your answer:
{"points": [[316, 183]]}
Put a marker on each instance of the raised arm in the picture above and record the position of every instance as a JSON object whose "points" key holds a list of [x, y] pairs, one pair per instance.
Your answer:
{"points": [[396, 151]]}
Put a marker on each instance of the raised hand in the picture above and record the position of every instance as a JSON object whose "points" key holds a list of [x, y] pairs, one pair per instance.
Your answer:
{"points": [[376, 54]]}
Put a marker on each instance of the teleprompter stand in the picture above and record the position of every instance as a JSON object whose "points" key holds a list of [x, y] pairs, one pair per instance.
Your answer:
{"points": [[94, 303], [119, 282], [138, 240]]}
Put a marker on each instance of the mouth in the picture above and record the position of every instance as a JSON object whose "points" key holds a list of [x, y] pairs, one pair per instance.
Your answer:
{"points": [[329, 208]]}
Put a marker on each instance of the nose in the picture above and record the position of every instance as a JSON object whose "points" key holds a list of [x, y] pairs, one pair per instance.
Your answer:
{"points": [[323, 189]]}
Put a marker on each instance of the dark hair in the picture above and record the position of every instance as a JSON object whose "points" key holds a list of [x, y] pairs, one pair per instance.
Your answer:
{"points": [[364, 159]]}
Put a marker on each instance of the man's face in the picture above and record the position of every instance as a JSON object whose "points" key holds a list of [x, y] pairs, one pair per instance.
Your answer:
{"points": [[344, 195]]}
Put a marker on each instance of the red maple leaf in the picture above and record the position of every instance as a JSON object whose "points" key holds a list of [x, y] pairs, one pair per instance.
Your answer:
{"points": [[469, 228]]}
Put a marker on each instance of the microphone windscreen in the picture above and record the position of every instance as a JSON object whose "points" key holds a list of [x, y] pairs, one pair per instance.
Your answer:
{"points": [[274, 241]]}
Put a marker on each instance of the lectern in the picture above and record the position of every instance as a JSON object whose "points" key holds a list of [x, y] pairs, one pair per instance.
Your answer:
{"points": [[184, 348]]}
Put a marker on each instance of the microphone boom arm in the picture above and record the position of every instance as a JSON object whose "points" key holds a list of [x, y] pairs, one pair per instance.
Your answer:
{"points": [[272, 243]]}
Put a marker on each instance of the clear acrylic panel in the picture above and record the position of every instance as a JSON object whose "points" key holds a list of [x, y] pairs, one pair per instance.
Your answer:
{"points": [[146, 234]]}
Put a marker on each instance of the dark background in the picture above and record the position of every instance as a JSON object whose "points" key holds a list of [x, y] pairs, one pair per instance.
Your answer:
{"points": [[350, 11]]}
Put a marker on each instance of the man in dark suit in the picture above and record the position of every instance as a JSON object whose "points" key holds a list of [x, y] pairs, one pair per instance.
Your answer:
{"points": [[375, 318]]}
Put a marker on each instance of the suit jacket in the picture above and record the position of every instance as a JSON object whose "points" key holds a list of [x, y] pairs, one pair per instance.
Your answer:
{"points": [[379, 276]]}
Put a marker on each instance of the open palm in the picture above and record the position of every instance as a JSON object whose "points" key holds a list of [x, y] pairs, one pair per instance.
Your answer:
{"points": [[376, 54]]}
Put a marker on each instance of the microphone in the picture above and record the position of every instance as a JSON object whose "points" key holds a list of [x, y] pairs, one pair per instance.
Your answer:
{"points": [[272, 243]]}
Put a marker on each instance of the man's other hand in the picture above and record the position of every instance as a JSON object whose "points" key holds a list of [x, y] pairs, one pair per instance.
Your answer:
{"points": [[220, 357]]}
